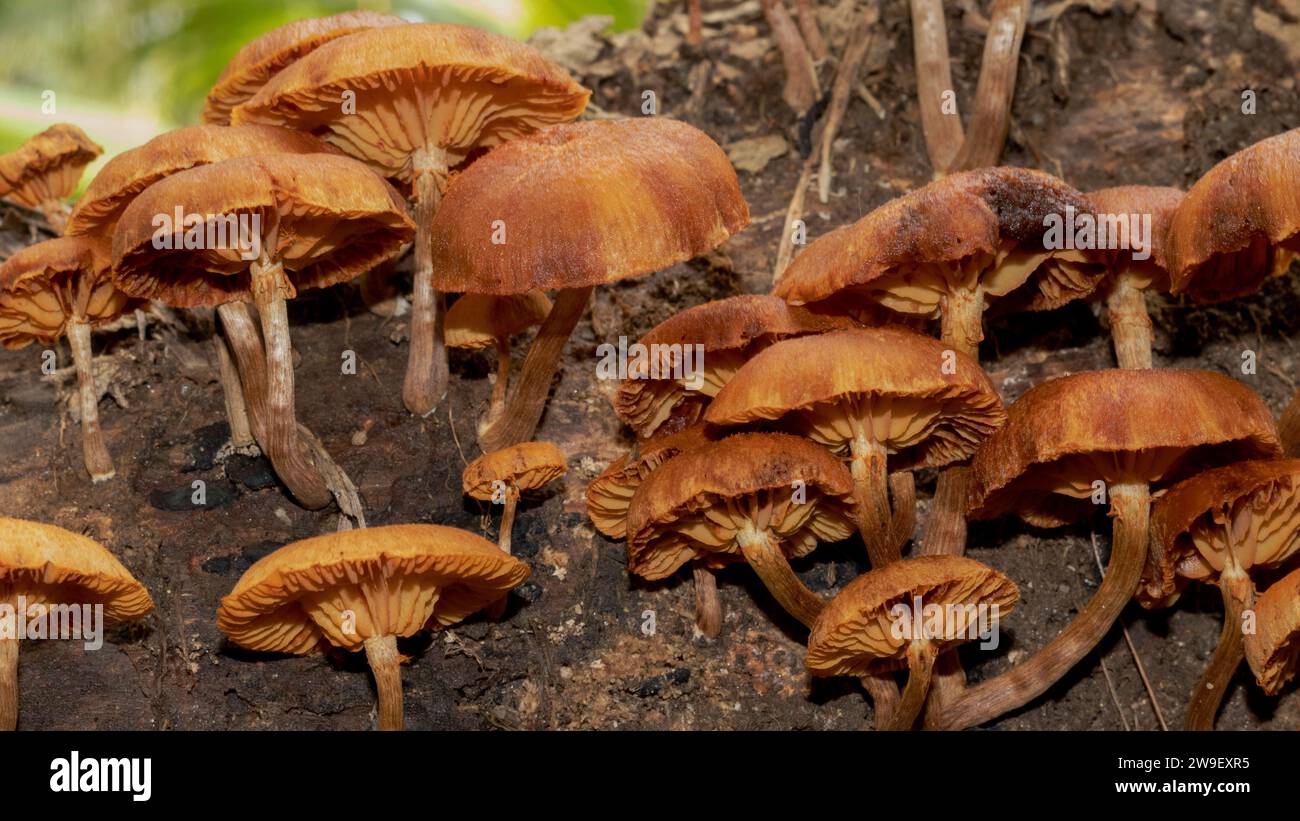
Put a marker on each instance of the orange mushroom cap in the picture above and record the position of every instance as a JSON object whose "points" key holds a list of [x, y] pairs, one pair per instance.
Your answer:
{"points": [[1273, 650], [523, 467], [1160, 203], [45, 286], [610, 494], [48, 166]]}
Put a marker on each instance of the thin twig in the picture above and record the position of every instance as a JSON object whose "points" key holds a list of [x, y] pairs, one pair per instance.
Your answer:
{"points": [[859, 43]]}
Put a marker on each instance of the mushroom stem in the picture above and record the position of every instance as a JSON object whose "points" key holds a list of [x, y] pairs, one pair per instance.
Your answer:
{"points": [[945, 531], [695, 22], [996, 87], [871, 492], [962, 320], [8, 684], [708, 605], [1130, 508], [1289, 427], [426, 367], [762, 553], [497, 609], [95, 453], [385, 664], [525, 404], [241, 432], [1228, 653], [943, 131], [1130, 325], [902, 498], [280, 423], [884, 697], [920, 662], [498, 401]]}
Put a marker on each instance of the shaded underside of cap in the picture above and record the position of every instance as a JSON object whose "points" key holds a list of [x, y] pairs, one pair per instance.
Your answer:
{"points": [[47, 154], [854, 635], [480, 320], [45, 285], [813, 373], [417, 86], [126, 175], [1242, 209], [610, 494], [1160, 202], [1106, 416], [1273, 650], [584, 204], [736, 469], [335, 219], [526, 466], [262, 58], [401, 577], [61, 567]]}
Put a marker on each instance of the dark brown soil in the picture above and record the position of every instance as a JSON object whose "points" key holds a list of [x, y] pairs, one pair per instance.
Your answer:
{"points": [[1109, 93]]}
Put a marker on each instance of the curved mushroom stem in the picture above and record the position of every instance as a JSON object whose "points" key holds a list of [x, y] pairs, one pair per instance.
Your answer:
{"points": [[884, 697], [921, 654], [426, 366], [902, 498], [280, 424], [761, 551], [385, 664], [996, 87], [498, 403], [1238, 596], [241, 432], [525, 404], [497, 608], [1130, 325], [962, 319], [943, 131], [945, 535], [1289, 427], [708, 605], [871, 492], [1130, 508], [8, 684], [95, 453]]}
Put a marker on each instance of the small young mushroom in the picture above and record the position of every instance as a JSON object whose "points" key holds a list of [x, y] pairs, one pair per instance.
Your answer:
{"points": [[63, 287], [725, 334], [44, 171], [910, 612], [268, 227], [1273, 650], [1220, 527], [573, 207], [763, 497], [478, 321], [879, 397], [364, 589], [42, 565], [1128, 278], [414, 101], [1239, 224], [1070, 445]]}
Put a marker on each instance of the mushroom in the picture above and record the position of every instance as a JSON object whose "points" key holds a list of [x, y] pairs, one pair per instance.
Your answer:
{"points": [[44, 565], [1220, 527], [62, 287], [576, 206], [726, 333], [763, 497], [123, 178], [364, 589], [879, 397], [414, 101], [1072, 442], [1239, 224], [1273, 650], [44, 171], [478, 321], [271, 226], [910, 612], [1127, 278]]}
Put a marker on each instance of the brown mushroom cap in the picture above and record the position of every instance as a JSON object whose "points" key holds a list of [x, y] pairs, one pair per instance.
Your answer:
{"points": [[264, 57], [1273, 650], [46, 285], [923, 415], [986, 224], [1240, 223], [855, 634], [610, 494], [1160, 202], [126, 175], [472, 89], [1113, 426], [331, 219], [584, 204], [482, 320], [48, 166], [731, 331], [526, 466], [393, 579], [1257, 502], [49, 564], [692, 506]]}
